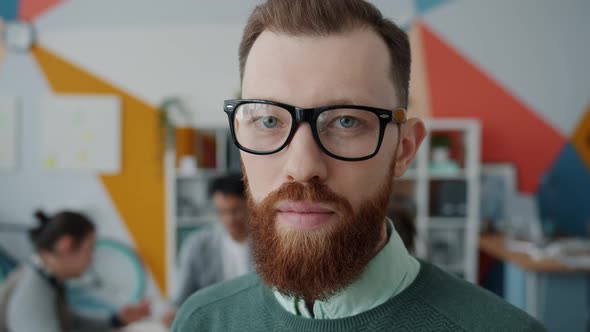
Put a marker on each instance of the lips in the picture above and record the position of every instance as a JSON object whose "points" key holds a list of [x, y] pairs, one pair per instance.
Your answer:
{"points": [[304, 215]]}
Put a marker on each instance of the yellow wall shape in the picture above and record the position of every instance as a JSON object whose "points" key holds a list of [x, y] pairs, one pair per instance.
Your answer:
{"points": [[581, 139], [138, 190]]}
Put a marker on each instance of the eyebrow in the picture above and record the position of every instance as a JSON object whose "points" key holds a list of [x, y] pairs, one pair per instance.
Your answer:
{"points": [[337, 101], [342, 101]]}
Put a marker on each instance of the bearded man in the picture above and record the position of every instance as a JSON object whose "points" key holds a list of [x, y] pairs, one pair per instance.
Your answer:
{"points": [[323, 133]]}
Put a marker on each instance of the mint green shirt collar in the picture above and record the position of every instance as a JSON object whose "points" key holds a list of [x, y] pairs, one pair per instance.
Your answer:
{"points": [[391, 271]]}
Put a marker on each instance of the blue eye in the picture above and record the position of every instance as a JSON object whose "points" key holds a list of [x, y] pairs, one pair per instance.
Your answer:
{"points": [[347, 122], [269, 122]]}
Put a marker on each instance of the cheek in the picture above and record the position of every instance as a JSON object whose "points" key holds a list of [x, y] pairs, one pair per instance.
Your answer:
{"points": [[384, 158], [263, 174], [350, 182], [85, 259], [359, 181], [226, 220]]}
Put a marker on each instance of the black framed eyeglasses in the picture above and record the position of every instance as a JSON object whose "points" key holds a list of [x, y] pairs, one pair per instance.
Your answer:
{"points": [[344, 132]]}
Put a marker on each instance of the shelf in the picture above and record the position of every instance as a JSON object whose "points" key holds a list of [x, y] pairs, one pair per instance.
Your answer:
{"points": [[412, 174], [201, 174], [196, 220], [447, 222], [439, 185], [461, 175]]}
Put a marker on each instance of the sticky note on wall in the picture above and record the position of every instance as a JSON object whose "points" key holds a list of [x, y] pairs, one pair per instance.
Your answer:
{"points": [[81, 133]]}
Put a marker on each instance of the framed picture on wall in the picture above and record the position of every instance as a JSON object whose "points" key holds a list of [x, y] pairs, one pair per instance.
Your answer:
{"points": [[498, 188]]}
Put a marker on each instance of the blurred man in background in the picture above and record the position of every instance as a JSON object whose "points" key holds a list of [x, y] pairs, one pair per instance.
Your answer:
{"points": [[220, 252]]}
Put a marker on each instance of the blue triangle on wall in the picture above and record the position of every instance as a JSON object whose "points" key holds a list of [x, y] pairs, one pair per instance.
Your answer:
{"points": [[564, 194], [9, 9], [424, 6]]}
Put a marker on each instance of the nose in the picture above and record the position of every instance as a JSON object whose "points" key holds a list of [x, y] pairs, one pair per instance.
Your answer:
{"points": [[305, 160]]}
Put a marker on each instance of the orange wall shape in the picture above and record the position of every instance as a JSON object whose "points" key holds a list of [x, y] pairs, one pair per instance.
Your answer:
{"points": [[185, 143], [581, 138], [511, 131], [419, 96], [30, 9], [138, 190]]}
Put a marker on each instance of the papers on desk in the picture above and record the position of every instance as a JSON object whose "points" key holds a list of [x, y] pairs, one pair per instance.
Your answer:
{"points": [[573, 253], [146, 326], [582, 262]]}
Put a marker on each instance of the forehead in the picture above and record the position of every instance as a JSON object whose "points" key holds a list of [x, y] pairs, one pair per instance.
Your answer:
{"points": [[310, 71]]}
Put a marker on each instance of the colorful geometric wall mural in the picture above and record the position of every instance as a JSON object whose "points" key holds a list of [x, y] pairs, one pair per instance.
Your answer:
{"points": [[464, 66], [9, 9], [511, 130], [564, 194], [29, 9], [581, 138], [138, 190]]}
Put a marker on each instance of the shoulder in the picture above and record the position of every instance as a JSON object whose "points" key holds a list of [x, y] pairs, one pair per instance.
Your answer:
{"points": [[31, 281], [34, 293], [31, 286], [472, 307], [199, 243], [204, 236], [30, 291], [225, 297], [221, 294]]}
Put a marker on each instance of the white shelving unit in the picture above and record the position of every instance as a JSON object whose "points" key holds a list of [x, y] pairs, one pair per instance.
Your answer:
{"points": [[451, 242], [190, 187]]}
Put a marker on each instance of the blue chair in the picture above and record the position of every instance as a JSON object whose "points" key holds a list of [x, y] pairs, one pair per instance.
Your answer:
{"points": [[7, 264], [116, 277]]}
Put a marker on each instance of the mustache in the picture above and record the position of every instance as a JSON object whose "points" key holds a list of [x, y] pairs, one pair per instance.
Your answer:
{"points": [[313, 191]]}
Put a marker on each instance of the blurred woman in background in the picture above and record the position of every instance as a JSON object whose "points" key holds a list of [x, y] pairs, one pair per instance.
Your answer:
{"points": [[33, 298]]}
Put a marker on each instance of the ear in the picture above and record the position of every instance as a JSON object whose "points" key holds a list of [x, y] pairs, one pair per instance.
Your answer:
{"points": [[64, 245], [413, 133]]}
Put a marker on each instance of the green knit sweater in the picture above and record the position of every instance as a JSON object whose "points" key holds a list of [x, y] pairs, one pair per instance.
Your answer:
{"points": [[435, 301]]}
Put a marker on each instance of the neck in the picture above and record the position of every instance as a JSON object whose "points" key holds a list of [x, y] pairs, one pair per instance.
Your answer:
{"points": [[382, 241]]}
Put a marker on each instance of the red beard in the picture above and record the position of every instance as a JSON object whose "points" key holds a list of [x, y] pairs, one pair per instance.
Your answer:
{"points": [[315, 264]]}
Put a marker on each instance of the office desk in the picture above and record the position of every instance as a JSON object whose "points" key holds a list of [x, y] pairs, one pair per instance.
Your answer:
{"points": [[548, 290], [145, 326]]}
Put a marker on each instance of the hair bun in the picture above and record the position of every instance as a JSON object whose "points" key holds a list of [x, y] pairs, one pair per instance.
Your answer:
{"points": [[42, 217]]}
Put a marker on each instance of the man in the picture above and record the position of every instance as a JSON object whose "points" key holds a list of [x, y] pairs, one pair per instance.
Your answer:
{"points": [[319, 176], [220, 252]]}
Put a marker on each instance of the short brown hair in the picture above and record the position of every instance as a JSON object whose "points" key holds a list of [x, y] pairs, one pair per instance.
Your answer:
{"points": [[325, 17]]}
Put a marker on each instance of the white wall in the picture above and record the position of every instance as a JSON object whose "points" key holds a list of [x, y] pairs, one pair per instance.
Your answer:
{"points": [[157, 49], [30, 187]]}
